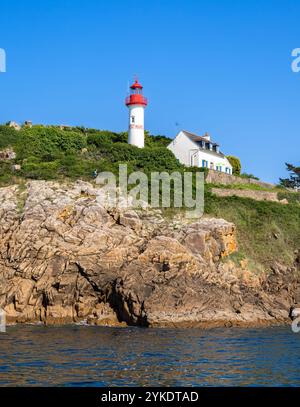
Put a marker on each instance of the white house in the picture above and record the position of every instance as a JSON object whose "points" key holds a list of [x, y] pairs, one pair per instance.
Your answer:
{"points": [[200, 151]]}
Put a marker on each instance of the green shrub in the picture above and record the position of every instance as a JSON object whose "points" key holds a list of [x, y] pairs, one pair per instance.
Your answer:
{"points": [[236, 164], [245, 175], [8, 136], [47, 143], [100, 137], [266, 231], [156, 141], [40, 170], [291, 197], [148, 159]]}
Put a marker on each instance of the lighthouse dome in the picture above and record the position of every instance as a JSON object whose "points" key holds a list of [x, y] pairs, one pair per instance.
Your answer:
{"points": [[136, 85], [136, 97]]}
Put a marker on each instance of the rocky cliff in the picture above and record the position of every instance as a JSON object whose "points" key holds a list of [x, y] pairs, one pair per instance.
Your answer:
{"points": [[65, 258]]}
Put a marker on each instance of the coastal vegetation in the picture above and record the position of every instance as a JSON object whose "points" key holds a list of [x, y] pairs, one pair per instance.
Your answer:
{"points": [[246, 175], [236, 164], [267, 231], [54, 153]]}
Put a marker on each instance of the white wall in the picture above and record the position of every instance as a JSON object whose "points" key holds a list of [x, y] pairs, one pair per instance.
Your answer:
{"points": [[136, 133], [188, 153], [214, 159], [183, 148]]}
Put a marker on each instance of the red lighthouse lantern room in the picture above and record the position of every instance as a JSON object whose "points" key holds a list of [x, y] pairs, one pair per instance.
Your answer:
{"points": [[136, 95]]}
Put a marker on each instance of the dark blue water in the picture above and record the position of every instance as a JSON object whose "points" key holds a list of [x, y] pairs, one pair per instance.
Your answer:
{"points": [[100, 356]]}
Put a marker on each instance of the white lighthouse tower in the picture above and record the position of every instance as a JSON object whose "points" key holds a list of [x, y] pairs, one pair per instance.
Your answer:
{"points": [[136, 103]]}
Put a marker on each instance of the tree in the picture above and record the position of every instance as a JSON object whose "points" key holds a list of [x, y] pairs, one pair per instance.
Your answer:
{"points": [[236, 164], [294, 180]]}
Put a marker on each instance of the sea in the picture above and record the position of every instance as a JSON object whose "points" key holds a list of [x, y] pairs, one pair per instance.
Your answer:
{"points": [[34, 355]]}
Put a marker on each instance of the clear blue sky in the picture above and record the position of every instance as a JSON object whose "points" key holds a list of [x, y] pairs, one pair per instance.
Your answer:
{"points": [[217, 66]]}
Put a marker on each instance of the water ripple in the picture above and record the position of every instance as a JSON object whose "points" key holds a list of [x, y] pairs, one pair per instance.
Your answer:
{"points": [[100, 356]]}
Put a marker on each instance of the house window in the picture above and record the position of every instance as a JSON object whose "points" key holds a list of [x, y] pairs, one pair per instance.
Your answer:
{"points": [[204, 163], [132, 119]]}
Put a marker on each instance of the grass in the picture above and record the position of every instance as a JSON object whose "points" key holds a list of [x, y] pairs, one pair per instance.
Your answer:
{"points": [[21, 196], [253, 187], [266, 231], [291, 197]]}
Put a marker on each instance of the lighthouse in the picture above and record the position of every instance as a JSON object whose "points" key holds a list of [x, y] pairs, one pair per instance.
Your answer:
{"points": [[136, 104]]}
